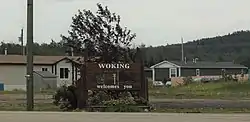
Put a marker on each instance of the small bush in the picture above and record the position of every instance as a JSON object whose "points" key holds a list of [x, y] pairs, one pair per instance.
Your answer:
{"points": [[109, 101], [116, 101], [121, 105], [150, 85], [187, 80], [98, 97], [228, 78], [65, 98]]}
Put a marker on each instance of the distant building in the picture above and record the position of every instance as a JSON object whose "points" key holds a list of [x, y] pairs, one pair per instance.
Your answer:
{"points": [[168, 69], [13, 69]]}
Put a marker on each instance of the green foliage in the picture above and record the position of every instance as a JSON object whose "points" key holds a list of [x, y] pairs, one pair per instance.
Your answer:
{"points": [[150, 84], [99, 97], [231, 47], [65, 97], [101, 34], [187, 80], [115, 101], [210, 90], [228, 78], [52, 49], [123, 104], [112, 101]]}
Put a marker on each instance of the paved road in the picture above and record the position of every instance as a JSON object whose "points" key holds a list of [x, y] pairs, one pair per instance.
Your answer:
{"points": [[119, 117]]}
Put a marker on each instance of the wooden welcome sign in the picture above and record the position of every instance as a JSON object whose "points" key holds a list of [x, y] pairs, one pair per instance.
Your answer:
{"points": [[113, 76]]}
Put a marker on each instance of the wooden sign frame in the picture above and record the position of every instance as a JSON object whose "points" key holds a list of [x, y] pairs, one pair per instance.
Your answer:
{"points": [[113, 76], [90, 70]]}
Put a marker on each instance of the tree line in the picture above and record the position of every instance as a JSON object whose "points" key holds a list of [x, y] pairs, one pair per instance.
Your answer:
{"points": [[234, 47]]}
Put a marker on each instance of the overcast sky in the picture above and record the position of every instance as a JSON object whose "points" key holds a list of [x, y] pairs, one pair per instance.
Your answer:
{"points": [[156, 22]]}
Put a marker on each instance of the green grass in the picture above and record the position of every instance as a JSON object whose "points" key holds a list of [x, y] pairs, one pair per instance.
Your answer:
{"points": [[219, 90], [22, 107], [204, 110], [48, 92], [51, 107]]}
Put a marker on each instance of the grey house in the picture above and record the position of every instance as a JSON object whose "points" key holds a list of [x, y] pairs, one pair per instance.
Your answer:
{"points": [[168, 69], [44, 80]]}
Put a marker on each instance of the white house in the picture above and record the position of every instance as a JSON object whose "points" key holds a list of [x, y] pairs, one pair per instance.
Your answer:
{"points": [[169, 69], [13, 69]]}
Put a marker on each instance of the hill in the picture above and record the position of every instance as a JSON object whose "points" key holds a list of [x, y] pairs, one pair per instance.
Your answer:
{"points": [[232, 47]]}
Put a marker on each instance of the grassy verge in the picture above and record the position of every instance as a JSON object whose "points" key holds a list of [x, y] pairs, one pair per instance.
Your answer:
{"points": [[204, 110], [220, 90], [24, 92], [22, 107], [51, 107]]}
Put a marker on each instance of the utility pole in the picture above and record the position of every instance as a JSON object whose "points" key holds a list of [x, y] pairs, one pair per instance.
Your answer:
{"points": [[182, 50], [29, 76], [21, 40]]}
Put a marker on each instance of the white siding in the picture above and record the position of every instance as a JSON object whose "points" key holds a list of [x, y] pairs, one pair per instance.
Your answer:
{"points": [[39, 67], [78, 74], [64, 64], [166, 65], [13, 76]]}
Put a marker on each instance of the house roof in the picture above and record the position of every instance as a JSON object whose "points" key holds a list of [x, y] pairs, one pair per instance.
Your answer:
{"points": [[163, 62], [203, 64], [45, 74], [20, 59], [206, 64], [147, 69]]}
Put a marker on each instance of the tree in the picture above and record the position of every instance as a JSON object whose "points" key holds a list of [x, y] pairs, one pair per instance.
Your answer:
{"points": [[101, 35], [220, 58], [98, 35], [151, 62]]}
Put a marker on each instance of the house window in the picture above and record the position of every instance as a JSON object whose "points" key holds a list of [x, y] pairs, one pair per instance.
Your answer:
{"points": [[197, 72], [64, 73], [173, 72], [44, 69]]}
